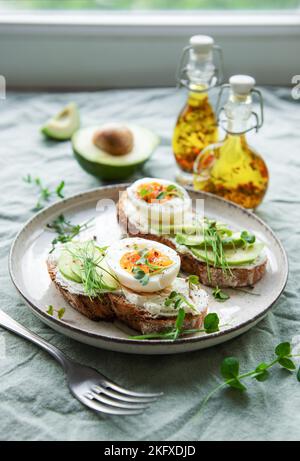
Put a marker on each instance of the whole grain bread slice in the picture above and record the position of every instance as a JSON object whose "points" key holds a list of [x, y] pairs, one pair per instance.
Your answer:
{"points": [[139, 319], [239, 276], [109, 306], [95, 309]]}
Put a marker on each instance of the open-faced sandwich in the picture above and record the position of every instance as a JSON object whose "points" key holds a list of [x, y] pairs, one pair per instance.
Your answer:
{"points": [[134, 280], [162, 211]]}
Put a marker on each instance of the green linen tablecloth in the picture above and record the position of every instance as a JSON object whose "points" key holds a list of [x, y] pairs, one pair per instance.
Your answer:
{"points": [[35, 403]]}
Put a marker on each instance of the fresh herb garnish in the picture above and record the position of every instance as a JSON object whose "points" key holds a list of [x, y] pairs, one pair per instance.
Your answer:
{"points": [[212, 238], [44, 192], [220, 295], [50, 310], [59, 189], [141, 276], [170, 190], [144, 192], [176, 300], [89, 257], [60, 312], [230, 370], [210, 325], [247, 237], [193, 280], [66, 230]]}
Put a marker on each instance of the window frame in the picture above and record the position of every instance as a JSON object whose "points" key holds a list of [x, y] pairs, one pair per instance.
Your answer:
{"points": [[264, 31]]}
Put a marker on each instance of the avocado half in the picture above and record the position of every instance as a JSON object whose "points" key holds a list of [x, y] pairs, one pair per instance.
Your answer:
{"points": [[109, 167], [64, 124]]}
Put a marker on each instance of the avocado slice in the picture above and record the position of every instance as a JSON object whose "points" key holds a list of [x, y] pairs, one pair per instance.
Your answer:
{"points": [[72, 270], [66, 266], [172, 229], [64, 124], [238, 257], [109, 167], [188, 229], [234, 241]]}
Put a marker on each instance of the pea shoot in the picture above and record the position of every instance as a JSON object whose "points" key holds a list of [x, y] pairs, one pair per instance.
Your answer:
{"points": [[210, 325], [220, 295], [230, 370], [44, 193], [66, 230]]}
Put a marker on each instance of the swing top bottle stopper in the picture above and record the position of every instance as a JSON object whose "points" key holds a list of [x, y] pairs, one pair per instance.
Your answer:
{"points": [[238, 108], [197, 70]]}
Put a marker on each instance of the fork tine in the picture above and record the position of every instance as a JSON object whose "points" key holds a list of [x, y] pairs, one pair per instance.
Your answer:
{"points": [[89, 401], [116, 403], [125, 398], [127, 392]]}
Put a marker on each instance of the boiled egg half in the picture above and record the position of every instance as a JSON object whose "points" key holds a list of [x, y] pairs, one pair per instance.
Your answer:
{"points": [[159, 200], [143, 265]]}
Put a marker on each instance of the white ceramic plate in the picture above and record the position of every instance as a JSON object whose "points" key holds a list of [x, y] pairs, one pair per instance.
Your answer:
{"points": [[29, 274]]}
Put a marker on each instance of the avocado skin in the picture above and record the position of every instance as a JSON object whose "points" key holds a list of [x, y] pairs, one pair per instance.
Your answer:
{"points": [[107, 172]]}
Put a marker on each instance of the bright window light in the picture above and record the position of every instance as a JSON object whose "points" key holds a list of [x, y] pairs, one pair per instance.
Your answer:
{"points": [[150, 5]]}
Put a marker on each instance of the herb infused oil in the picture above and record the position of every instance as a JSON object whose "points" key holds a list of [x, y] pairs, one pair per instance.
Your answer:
{"points": [[233, 169], [196, 126], [195, 129]]}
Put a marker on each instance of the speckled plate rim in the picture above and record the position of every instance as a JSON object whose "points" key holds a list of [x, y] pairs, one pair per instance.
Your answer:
{"points": [[230, 332]]}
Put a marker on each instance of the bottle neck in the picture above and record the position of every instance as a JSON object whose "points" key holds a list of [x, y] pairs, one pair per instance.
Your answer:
{"points": [[198, 96], [238, 111], [200, 70]]}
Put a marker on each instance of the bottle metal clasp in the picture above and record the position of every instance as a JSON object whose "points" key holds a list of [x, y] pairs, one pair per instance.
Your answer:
{"points": [[259, 119], [182, 69]]}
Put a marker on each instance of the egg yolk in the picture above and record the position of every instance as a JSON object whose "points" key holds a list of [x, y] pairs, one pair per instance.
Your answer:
{"points": [[157, 193], [149, 261]]}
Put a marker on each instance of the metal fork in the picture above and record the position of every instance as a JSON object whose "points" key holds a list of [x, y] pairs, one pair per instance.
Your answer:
{"points": [[86, 384]]}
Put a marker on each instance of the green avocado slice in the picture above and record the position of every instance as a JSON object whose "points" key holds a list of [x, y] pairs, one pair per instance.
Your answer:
{"points": [[66, 266], [239, 257], [64, 124], [109, 167], [72, 269], [234, 241]]}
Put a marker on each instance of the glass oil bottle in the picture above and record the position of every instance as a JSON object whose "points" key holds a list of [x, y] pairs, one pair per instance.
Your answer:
{"points": [[232, 169], [196, 125]]}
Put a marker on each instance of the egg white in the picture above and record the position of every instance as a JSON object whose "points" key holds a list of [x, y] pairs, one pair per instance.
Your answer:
{"points": [[172, 211], [156, 282]]}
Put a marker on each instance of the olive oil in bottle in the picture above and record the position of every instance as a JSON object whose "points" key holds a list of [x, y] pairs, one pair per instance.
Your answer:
{"points": [[196, 125], [232, 169]]}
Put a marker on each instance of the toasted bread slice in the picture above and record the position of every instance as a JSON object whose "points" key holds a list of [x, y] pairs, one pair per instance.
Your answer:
{"points": [[241, 276], [95, 309], [139, 319], [111, 305]]}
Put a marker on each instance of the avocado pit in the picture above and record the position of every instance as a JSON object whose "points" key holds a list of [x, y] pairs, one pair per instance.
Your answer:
{"points": [[114, 139]]}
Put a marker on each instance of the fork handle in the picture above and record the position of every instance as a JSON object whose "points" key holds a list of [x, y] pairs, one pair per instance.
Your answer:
{"points": [[12, 325]]}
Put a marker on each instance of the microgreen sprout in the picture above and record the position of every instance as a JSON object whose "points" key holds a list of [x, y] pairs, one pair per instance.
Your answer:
{"points": [[60, 312], [176, 300], [193, 280], [66, 230], [210, 325], [212, 238], [44, 192], [230, 370], [247, 237], [220, 295], [90, 258]]}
